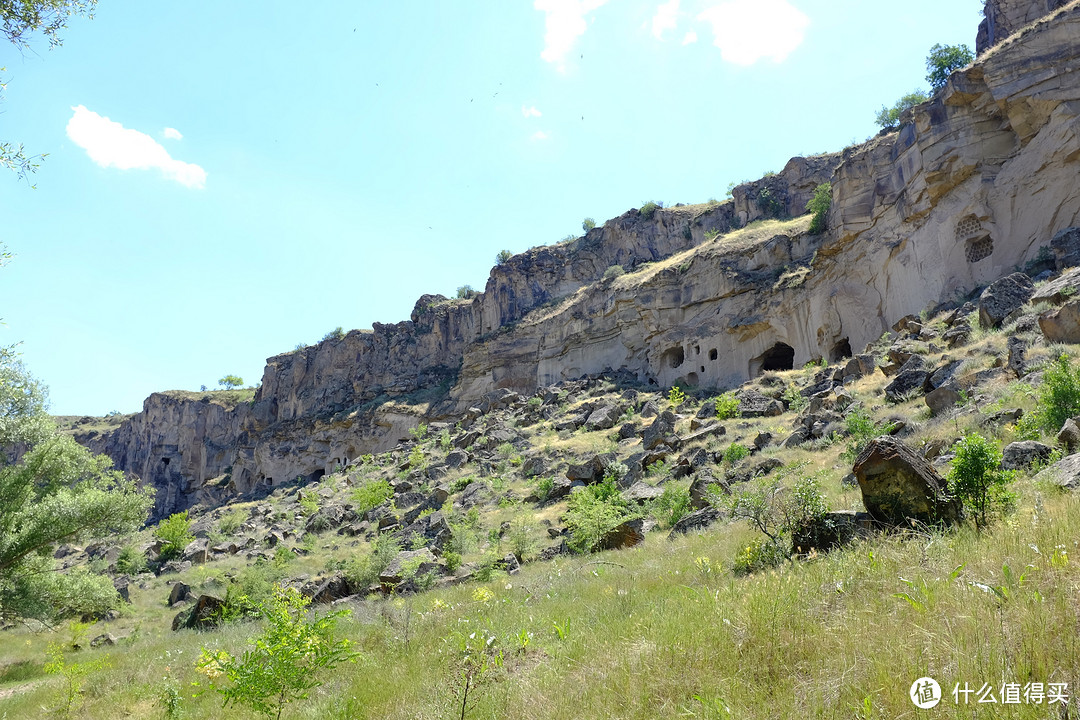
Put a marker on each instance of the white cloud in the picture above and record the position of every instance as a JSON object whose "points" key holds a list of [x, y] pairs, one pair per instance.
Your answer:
{"points": [[564, 24], [530, 112], [666, 18], [110, 144], [173, 134], [749, 30], [540, 135], [690, 39]]}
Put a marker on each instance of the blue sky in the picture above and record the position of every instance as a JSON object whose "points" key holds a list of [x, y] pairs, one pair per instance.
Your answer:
{"points": [[226, 180]]}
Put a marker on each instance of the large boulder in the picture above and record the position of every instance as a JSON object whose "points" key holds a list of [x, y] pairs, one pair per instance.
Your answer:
{"points": [[1062, 324], [414, 563], [1065, 473], [911, 380], [754, 404], [695, 521], [327, 590], [1060, 289], [1019, 455], [591, 471], [604, 418], [898, 485], [1004, 297], [1066, 248], [1069, 436], [207, 612], [660, 432], [623, 536]]}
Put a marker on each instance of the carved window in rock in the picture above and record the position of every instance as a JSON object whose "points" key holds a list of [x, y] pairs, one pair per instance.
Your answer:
{"points": [[978, 245]]}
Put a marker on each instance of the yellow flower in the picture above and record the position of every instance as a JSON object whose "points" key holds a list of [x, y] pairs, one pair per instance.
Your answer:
{"points": [[483, 595]]}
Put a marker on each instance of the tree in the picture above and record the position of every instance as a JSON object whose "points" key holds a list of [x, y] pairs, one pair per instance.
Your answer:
{"points": [[588, 224], [944, 60], [22, 19], [890, 117], [286, 658], [819, 205], [466, 292], [231, 381], [503, 257], [977, 479], [56, 492]]}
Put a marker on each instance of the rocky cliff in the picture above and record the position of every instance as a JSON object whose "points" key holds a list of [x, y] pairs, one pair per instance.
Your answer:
{"points": [[973, 184]]}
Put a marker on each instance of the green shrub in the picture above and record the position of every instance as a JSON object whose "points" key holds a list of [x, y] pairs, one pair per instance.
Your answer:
{"points": [[944, 60], [503, 257], [890, 117], [230, 522], [371, 495], [769, 205], [364, 571], [649, 209], [174, 532], [335, 334], [466, 292], [288, 656], [727, 406], [760, 554], [595, 511], [777, 511], [672, 506], [1058, 399], [977, 479], [795, 400], [419, 432], [736, 453], [676, 396], [130, 561], [613, 272], [819, 205], [861, 430], [588, 224], [544, 487]]}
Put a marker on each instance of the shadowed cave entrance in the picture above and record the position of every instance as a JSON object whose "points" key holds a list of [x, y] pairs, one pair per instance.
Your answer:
{"points": [[780, 356], [840, 351]]}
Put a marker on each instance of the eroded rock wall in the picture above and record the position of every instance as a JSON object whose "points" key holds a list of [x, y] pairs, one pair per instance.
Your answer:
{"points": [[1002, 18]]}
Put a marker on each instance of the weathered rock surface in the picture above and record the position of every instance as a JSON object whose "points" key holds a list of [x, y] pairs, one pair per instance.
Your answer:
{"points": [[974, 183], [898, 485], [1062, 324], [1019, 455], [1004, 297], [1065, 473], [206, 613]]}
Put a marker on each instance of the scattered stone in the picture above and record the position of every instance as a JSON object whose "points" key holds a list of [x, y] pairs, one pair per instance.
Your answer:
{"points": [[533, 466], [628, 430], [1069, 436], [702, 489], [604, 418], [641, 493], [1004, 297], [123, 587], [943, 398], [205, 614], [650, 409], [327, 590], [1062, 324], [197, 552], [475, 494], [695, 521], [1065, 473], [898, 484], [591, 471], [457, 459], [626, 535], [912, 379], [1019, 455], [660, 432], [1066, 248], [753, 403], [763, 440], [423, 559], [107, 639]]}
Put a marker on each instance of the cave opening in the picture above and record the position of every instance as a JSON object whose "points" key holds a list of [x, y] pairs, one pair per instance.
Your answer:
{"points": [[841, 351], [780, 356]]}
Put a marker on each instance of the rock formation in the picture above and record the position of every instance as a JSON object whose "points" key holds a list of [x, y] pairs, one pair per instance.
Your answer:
{"points": [[974, 184]]}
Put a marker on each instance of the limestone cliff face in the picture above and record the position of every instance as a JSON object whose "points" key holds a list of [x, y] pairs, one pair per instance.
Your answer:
{"points": [[1002, 18], [176, 444], [973, 184]]}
